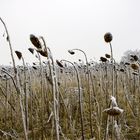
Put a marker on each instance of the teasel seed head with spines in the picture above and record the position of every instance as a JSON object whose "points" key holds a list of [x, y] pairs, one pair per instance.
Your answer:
{"points": [[108, 37]]}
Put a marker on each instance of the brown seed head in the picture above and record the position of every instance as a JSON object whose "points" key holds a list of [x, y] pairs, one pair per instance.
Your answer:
{"points": [[103, 59], [108, 37], [134, 66], [42, 52], [135, 57], [35, 41], [34, 67], [31, 50], [126, 63], [114, 111], [19, 54], [71, 52], [122, 70], [107, 55]]}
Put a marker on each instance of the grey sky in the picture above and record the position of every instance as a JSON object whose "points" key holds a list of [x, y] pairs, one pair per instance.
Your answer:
{"points": [[68, 24]]}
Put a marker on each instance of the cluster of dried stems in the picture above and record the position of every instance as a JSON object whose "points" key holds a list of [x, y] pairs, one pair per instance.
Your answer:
{"points": [[65, 100]]}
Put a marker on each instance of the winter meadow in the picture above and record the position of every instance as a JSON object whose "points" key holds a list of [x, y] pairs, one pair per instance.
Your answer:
{"points": [[65, 100]]}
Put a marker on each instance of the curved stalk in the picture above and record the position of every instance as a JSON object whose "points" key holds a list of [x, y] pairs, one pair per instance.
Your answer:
{"points": [[54, 89], [80, 98], [88, 90]]}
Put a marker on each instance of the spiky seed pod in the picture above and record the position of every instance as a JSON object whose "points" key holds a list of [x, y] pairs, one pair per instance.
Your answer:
{"points": [[19, 54], [31, 50], [59, 64], [103, 59], [108, 37], [71, 52], [43, 52], [114, 111], [134, 66], [107, 55], [35, 41]]}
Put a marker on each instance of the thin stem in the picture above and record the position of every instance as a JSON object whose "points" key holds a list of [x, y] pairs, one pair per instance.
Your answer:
{"points": [[88, 90], [54, 88], [9, 41], [112, 62], [80, 98]]}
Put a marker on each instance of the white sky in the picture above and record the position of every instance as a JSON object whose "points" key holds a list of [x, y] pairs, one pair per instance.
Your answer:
{"points": [[68, 24]]}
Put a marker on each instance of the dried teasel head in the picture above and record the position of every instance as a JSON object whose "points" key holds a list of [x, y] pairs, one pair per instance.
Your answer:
{"points": [[134, 66], [31, 50], [71, 52], [19, 54], [108, 37], [103, 59], [114, 111], [107, 55], [59, 64], [35, 41]]}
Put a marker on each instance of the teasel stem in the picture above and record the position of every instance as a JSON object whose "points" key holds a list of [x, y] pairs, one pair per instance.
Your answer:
{"points": [[10, 45], [113, 87], [112, 62], [80, 97], [42, 99], [54, 89], [88, 90], [26, 95], [17, 85], [113, 94], [31, 100]]}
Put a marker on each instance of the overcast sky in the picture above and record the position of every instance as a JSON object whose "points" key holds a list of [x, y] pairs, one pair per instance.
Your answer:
{"points": [[68, 24]]}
